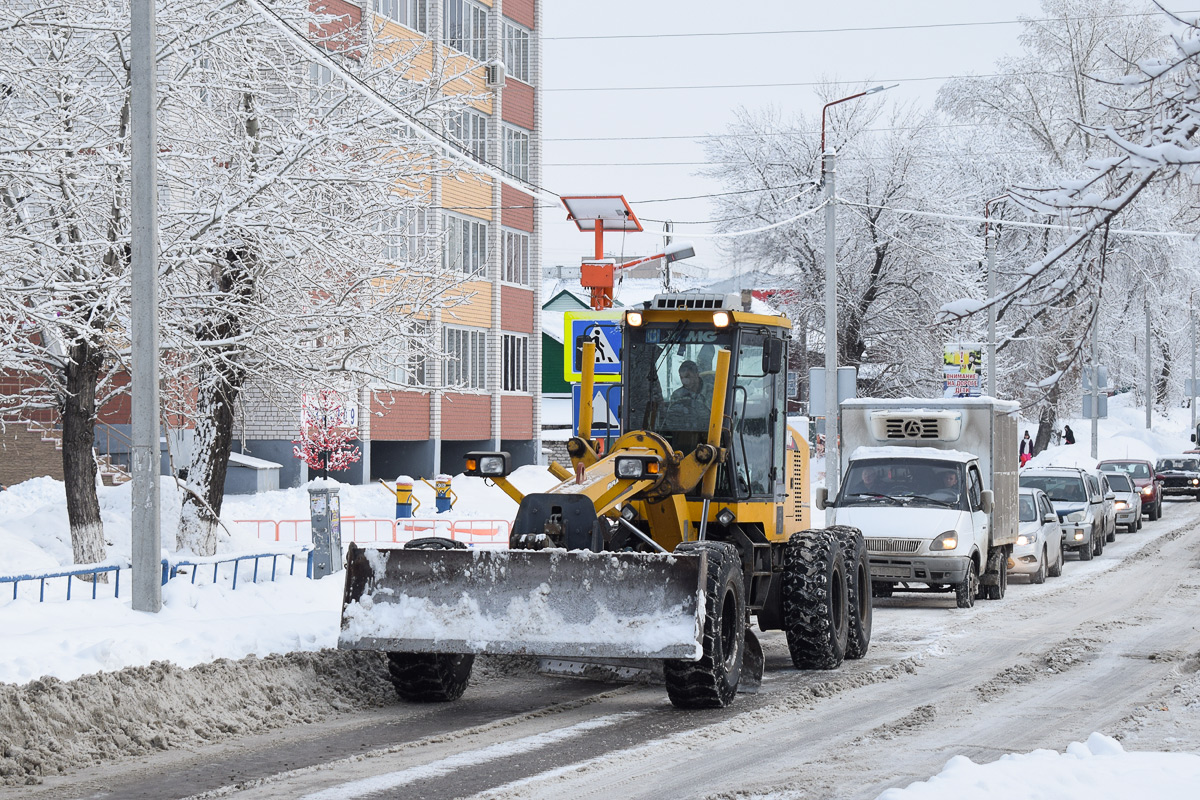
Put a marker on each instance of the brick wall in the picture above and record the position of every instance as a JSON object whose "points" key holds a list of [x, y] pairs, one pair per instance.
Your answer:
{"points": [[516, 413], [264, 419], [399, 416], [516, 309], [518, 104], [516, 209], [466, 417], [23, 455], [520, 12]]}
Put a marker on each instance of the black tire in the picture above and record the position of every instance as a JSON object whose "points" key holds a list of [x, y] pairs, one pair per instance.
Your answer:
{"points": [[1098, 545], [1086, 552], [430, 677], [1112, 534], [712, 681], [1040, 575], [966, 592], [1056, 570], [880, 589], [998, 591], [1138, 525], [858, 593], [815, 604]]}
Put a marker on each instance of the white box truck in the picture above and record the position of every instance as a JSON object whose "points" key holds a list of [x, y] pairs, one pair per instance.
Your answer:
{"points": [[932, 484]]}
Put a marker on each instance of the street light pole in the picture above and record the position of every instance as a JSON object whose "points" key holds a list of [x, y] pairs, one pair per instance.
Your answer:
{"points": [[1149, 394], [989, 244], [1095, 386], [832, 412], [146, 552]]}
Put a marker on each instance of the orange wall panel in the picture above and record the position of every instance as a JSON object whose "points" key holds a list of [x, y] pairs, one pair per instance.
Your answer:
{"points": [[468, 195], [475, 310]]}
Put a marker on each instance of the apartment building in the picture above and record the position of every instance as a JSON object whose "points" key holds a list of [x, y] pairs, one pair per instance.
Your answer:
{"points": [[484, 394]]}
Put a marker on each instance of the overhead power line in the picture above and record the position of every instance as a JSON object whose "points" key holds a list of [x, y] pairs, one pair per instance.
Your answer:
{"points": [[851, 29]]}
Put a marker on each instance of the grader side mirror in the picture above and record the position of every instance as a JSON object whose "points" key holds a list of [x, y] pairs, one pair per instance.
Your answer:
{"points": [[772, 361]]}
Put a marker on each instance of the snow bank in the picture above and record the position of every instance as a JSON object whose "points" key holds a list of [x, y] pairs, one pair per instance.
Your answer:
{"points": [[1098, 770]]}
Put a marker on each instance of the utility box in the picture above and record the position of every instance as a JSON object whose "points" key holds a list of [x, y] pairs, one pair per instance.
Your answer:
{"points": [[325, 509]]}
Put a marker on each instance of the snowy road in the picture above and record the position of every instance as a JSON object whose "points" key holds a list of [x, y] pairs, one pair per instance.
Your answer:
{"points": [[1112, 646]]}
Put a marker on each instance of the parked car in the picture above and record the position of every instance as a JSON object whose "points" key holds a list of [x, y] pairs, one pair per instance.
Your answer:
{"points": [[1075, 495], [1144, 478], [1039, 549], [1180, 475], [1128, 501]]}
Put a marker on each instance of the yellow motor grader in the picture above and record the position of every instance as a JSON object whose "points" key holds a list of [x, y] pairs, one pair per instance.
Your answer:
{"points": [[664, 549]]}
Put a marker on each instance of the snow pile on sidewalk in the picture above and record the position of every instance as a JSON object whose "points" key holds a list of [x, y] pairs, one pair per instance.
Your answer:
{"points": [[1099, 770], [198, 623]]}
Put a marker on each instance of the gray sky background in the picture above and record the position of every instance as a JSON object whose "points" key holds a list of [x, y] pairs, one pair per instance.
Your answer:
{"points": [[900, 54]]}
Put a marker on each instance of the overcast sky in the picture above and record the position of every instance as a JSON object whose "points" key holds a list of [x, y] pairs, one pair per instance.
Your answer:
{"points": [[644, 170]]}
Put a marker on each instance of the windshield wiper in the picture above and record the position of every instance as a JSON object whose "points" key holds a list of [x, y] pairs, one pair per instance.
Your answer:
{"points": [[871, 496], [942, 503]]}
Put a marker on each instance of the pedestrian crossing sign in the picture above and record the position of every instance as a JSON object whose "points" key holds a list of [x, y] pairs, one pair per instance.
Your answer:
{"points": [[601, 328]]}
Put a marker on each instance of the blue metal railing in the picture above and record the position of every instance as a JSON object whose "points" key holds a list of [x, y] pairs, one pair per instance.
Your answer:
{"points": [[169, 570], [94, 570]]}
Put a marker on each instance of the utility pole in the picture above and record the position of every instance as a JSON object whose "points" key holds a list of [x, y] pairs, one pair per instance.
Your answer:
{"points": [[668, 226], [1192, 398], [828, 172], [147, 535], [990, 246], [1095, 385], [1149, 393]]}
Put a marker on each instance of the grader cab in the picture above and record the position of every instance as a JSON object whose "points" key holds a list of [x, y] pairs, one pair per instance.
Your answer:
{"points": [[664, 550]]}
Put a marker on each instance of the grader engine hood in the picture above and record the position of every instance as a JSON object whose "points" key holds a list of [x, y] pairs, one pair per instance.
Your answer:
{"points": [[543, 603]]}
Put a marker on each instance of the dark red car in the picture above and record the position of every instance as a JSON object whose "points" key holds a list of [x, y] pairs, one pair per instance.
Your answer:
{"points": [[1144, 478]]}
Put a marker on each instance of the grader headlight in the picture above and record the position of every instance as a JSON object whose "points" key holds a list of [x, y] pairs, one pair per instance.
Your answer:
{"points": [[637, 467], [487, 465]]}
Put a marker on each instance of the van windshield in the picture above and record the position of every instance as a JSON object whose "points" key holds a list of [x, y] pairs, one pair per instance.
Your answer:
{"points": [[1028, 508], [906, 482]]}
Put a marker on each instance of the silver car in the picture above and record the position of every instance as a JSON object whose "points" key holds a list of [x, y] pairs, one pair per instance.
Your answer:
{"points": [[1127, 500], [1039, 548]]}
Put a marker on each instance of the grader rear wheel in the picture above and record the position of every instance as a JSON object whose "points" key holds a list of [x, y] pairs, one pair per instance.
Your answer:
{"points": [[816, 615]]}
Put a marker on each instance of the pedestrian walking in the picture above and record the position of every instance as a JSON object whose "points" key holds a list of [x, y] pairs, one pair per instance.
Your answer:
{"points": [[1026, 449]]}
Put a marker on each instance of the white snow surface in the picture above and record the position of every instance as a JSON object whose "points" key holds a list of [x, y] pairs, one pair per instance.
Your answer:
{"points": [[205, 622]]}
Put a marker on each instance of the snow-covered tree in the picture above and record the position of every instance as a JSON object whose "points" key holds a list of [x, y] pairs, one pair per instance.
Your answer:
{"points": [[286, 204]]}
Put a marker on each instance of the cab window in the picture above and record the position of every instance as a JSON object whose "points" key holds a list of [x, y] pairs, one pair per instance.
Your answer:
{"points": [[974, 489]]}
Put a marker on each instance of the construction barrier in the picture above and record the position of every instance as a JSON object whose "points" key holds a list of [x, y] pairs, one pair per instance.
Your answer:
{"points": [[490, 533]]}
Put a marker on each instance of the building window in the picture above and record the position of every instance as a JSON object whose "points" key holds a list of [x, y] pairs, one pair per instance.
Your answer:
{"points": [[320, 90], [466, 244], [515, 257], [464, 27], [515, 363], [407, 367], [516, 153], [469, 128], [406, 236], [466, 358], [516, 52], [407, 12]]}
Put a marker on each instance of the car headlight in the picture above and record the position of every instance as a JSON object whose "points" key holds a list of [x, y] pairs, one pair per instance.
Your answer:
{"points": [[1195, 481], [1023, 540], [1122, 504], [946, 541], [1147, 490], [1076, 516]]}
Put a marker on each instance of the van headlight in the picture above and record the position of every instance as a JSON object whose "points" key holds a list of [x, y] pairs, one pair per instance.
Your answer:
{"points": [[1022, 540], [945, 541]]}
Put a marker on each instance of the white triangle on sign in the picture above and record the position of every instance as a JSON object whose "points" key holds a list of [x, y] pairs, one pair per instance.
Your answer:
{"points": [[601, 413]]}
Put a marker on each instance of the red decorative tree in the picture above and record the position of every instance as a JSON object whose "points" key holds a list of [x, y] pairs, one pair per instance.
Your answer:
{"points": [[327, 427]]}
